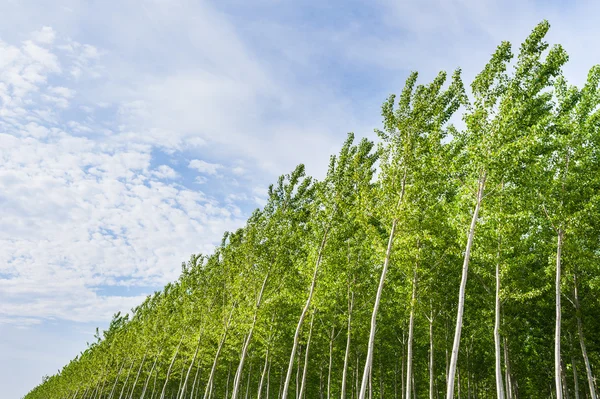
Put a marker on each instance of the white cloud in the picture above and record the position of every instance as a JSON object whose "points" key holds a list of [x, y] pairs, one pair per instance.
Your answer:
{"points": [[165, 172], [46, 35], [204, 167]]}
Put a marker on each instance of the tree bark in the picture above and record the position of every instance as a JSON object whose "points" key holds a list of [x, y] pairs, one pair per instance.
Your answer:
{"points": [[331, 338], [575, 377], [138, 375], [116, 380], [371, 343], [586, 360], [411, 323], [461, 294], [150, 374], [431, 355], [498, 357], [187, 376], [557, 362], [162, 394], [238, 374], [209, 383], [262, 375], [305, 370], [195, 379], [126, 379], [313, 283], [347, 354]]}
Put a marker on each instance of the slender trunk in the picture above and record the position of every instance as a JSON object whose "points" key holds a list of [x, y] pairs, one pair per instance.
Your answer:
{"points": [[150, 374], [557, 373], [268, 380], [371, 343], [154, 385], [249, 378], [563, 375], [461, 294], [280, 383], [575, 377], [411, 323], [403, 363], [331, 338], [304, 372], [507, 378], [126, 379], [138, 375], [228, 378], [499, 382], [347, 354], [116, 380], [187, 376], [431, 353], [262, 375], [298, 371], [238, 374], [195, 379], [209, 383], [162, 394], [586, 360], [288, 376]]}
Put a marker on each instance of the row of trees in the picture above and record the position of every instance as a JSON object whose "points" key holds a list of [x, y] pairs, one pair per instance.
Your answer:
{"points": [[435, 262]]}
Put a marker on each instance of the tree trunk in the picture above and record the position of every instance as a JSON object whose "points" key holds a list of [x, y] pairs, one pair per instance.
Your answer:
{"points": [[586, 360], [557, 373], [499, 382], [138, 375], [249, 378], [238, 374], [431, 353], [411, 323], [187, 376], [126, 379], [563, 375], [162, 394], [150, 374], [575, 377], [116, 380], [262, 375], [195, 379], [288, 376], [347, 354], [507, 377], [331, 338], [304, 372], [371, 343], [208, 390], [461, 294]]}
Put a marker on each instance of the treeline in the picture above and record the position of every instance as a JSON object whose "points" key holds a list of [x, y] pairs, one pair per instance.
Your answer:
{"points": [[437, 262]]}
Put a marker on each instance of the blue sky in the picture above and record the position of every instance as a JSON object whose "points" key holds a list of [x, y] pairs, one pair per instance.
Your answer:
{"points": [[134, 133]]}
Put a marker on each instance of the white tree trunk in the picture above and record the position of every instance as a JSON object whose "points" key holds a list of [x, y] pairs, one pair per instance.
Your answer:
{"points": [[304, 372], [187, 376], [138, 375], [209, 383], [126, 379], [461, 293], [557, 363], [238, 374], [162, 394], [586, 360], [499, 382], [347, 354], [331, 338], [411, 323], [431, 355], [288, 376], [371, 343], [263, 374], [150, 374]]}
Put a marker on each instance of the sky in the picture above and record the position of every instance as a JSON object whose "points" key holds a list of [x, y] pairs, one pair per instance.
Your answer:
{"points": [[135, 133]]}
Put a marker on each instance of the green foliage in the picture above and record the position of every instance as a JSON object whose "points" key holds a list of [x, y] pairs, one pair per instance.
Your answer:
{"points": [[531, 142]]}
